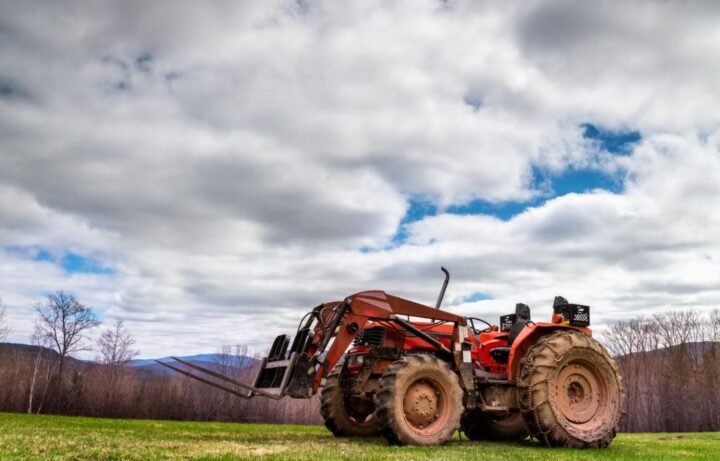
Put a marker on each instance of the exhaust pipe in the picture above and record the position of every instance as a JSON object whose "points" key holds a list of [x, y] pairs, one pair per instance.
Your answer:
{"points": [[444, 287]]}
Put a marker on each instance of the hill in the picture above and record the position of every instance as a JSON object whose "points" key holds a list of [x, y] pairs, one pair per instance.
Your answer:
{"points": [[30, 352]]}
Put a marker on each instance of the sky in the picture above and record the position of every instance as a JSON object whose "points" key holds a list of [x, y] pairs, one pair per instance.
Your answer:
{"points": [[210, 171]]}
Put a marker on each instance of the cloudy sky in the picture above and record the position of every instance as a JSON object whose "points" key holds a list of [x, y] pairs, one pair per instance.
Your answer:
{"points": [[209, 171]]}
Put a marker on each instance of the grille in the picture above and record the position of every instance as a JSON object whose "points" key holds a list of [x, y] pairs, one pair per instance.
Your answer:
{"points": [[374, 336]]}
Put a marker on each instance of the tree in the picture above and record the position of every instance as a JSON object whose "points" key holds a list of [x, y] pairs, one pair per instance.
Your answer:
{"points": [[63, 323], [115, 346], [4, 328], [31, 392]]}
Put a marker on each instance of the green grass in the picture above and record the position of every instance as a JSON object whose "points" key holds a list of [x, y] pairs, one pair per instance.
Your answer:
{"points": [[73, 438]]}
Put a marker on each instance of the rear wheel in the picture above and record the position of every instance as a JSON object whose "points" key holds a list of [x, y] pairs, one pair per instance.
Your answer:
{"points": [[341, 418], [478, 425], [419, 401], [570, 391]]}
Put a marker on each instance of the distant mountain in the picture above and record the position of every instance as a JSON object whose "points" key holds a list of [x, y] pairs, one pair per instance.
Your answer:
{"points": [[30, 352], [197, 358], [204, 360]]}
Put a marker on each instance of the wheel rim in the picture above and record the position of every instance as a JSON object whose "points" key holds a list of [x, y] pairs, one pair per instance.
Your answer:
{"points": [[425, 405], [582, 393]]}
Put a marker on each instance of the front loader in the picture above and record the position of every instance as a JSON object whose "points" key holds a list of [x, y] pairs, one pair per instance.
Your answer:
{"points": [[415, 374]]}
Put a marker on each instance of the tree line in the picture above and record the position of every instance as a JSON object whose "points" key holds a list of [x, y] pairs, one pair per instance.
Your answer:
{"points": [[45, 378], [670, 364]]}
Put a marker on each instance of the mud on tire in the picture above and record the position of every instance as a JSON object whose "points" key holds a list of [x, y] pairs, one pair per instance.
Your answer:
{"points": [[339, 419], [483, 426], [419, 401], [570, 392]]}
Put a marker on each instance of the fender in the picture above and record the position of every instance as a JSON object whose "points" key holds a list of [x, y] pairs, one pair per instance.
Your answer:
{"points": [[528, 337]]}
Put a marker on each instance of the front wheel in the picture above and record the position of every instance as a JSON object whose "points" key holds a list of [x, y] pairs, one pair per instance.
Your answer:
{"points": [[570, 392], [419, 401], [341, 418]]}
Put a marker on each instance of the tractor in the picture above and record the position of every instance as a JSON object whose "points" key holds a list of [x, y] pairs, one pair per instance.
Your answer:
{"points": [[416, 374]]}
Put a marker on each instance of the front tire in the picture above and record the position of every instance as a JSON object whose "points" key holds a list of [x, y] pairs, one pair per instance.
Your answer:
{"points": [[570, 392], [419, 401], [339, 418]]}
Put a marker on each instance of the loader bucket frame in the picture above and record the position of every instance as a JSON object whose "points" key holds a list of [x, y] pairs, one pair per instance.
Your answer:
{"points": [[271, 381], [276, 370], [250, 391]]}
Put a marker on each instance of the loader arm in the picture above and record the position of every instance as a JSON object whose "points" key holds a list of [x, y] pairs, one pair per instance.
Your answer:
{"points": [[343, 321]]}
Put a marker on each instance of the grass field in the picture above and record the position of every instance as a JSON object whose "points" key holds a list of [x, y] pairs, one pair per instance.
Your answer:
{"points": [[73, 438]]}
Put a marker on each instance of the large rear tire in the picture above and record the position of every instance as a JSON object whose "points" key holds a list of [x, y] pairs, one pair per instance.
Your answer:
{"points": [[419, 401], [478, 425], [570, 392], [339, 418]]}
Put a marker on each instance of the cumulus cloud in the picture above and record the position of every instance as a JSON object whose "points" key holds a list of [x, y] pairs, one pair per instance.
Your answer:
{"points": [[234, 164]]}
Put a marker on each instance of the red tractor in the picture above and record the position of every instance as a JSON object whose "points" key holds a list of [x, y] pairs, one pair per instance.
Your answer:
{"points": [[416, 374]]}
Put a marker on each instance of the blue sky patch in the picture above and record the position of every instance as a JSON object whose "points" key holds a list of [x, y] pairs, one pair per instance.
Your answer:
{"points": [[30, 252], [477, 296], [580, 181], [417, 210], [500, 210], [576, 181], [615, 142], [74, 263], [42, 255], [71, 262]]}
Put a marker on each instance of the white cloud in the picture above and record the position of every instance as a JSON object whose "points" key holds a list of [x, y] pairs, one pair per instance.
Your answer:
{"points": [[228, 160]]}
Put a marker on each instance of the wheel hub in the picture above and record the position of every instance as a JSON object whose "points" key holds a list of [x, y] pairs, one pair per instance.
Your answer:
{"points": [[578, 393], [421, 404]]}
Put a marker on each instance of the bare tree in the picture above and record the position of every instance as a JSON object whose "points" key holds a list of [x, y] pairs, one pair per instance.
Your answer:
{"points": [[63, 324], [115, 346], [4, 328], [31, 392]]}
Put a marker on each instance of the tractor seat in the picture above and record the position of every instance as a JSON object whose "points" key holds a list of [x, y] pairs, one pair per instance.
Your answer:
{"points": [[515, 331], [522, 317]]}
